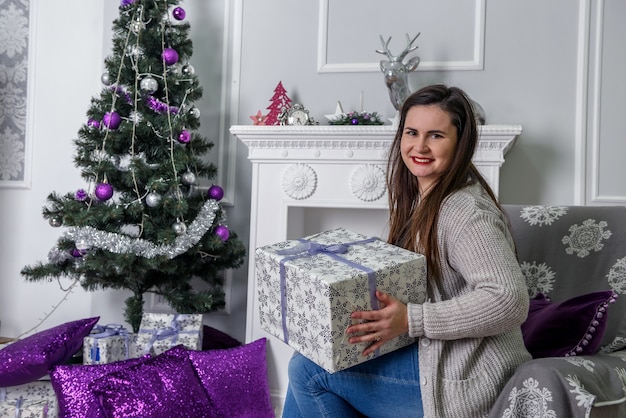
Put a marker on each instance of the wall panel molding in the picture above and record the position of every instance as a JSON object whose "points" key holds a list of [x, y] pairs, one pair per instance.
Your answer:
{"points": [[474, 63]]}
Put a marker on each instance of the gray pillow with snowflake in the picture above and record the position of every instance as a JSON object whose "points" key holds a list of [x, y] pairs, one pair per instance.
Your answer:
{"points": [[568, 251]]}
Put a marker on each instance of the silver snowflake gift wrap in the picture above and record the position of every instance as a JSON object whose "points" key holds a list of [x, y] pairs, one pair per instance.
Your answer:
{"points": [[307, 289], [34, 399], [159, 332], [109, 343]]}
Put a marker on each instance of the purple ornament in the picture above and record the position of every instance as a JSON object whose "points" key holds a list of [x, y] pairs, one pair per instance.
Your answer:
{"points": [[222, 232], [354, 121], [170, 56], [126, 2], [112, 120], [179, 13], [184, 137], [76, 253], [216, 192], [104, 191], [93, 123], [80, 195]]}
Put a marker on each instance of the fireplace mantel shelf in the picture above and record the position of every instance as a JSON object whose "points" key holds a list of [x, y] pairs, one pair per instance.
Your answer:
{"points": [[355, 143]]}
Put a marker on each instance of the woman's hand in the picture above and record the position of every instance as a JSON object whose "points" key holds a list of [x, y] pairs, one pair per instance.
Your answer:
{"points": [[379, 326]]}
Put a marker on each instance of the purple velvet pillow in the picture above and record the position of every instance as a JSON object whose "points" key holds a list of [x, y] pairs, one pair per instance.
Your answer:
{"points": [[30, 359], [71, 385], [570, 328], [236, 380], [162, 386]]}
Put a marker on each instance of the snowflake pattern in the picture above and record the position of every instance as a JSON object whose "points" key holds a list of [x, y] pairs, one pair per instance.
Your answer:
{"points": [[586, 238], [542, 215], [37, 394], [13, 89], [539, 277], [617, 276], [323, 290], [529, 401], [583, 397], [186, 329]]}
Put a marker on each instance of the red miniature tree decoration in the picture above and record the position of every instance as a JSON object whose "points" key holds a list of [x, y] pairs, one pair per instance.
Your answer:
{"points": [[279, 101]]}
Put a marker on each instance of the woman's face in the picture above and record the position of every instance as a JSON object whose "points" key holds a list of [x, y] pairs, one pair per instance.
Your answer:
{"points": [[428, 144]]}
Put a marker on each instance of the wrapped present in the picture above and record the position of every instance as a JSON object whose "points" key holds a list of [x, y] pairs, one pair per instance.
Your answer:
{"points": [[34, 396], [109, 343], [158, 332], [24, 408], [308, 288]]}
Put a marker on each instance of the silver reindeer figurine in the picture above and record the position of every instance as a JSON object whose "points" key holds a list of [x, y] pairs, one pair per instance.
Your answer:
{"points": [[396, 71]]}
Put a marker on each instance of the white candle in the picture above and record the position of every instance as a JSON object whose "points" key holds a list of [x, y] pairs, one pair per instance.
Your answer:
{"points": [[361, 100]]}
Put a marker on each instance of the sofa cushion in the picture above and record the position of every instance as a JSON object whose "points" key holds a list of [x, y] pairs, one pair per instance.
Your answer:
{"points": [[568, 251], [569, 328], [162, 386], [71, 385], [236, 380], [27, 360]]}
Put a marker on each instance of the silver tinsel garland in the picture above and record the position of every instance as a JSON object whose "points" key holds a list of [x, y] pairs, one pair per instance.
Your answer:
{"points": [[90, 237]]}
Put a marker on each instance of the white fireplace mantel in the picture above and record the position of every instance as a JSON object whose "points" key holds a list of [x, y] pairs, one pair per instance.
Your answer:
{"points": [[306, 179]]}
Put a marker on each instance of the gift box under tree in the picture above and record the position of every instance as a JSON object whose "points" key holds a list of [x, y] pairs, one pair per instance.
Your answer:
{"points": [[30, 399], [159, 332], [308, 288], [109, 343]]}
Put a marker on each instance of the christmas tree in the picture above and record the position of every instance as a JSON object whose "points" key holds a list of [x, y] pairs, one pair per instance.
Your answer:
{"points": [[141, 222], [279, 101]]}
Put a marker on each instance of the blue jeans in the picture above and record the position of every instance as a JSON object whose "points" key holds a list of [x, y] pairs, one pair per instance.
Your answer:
{"points": [[387, 386]]}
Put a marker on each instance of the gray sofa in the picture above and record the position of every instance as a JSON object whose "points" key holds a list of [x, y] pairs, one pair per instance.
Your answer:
{"points": [[570, 254]]}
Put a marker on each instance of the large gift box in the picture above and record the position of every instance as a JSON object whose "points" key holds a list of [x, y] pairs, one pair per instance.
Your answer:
{"points": [[307, 289], [109, 343], [158, 332], [34, 399]]}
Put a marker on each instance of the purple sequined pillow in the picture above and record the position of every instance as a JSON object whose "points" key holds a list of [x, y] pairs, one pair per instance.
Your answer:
{"points": [[71, 385], [162, 386], [30, 359], [236, 380], [570, 328]]}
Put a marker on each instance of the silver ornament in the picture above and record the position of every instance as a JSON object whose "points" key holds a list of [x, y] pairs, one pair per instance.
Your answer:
{"points": [[106, 79], [81, 245], [55, 222], [188, 69], [149, 84], [188, 178], [195, 112], [137, 26], [179, 227], [153, 199]]}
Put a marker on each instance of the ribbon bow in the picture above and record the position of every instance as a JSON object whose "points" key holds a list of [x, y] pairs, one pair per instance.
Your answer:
{"points": [[161, 334], [104, 331], [308, 248]]}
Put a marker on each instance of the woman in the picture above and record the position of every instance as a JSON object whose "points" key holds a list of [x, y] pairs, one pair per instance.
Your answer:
{"points": [[468, 337]]}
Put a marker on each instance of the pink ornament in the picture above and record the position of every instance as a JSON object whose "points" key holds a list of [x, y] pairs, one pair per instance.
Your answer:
{"points": [[222, 232], [104, 191], [170, 56], [112, 120], [184, 137], [179, 13], [216, 192]]}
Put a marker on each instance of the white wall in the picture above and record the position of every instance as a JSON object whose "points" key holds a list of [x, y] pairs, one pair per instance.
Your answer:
{"points": [[539, 69]]}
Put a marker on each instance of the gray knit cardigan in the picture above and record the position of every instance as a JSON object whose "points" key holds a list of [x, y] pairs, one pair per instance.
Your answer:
{"points": [[470, 341]]}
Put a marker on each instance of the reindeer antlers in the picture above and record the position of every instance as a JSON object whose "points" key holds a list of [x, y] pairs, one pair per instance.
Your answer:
{"points": [[409, 47]]}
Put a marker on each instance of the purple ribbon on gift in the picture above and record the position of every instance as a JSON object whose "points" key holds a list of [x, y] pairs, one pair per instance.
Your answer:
{"points": [[174, 331], [309, 248], [104, 331], [19, 403]]}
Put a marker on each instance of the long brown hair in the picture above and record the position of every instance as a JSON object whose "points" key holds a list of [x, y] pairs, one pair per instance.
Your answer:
{"points": [[413, 222]]}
